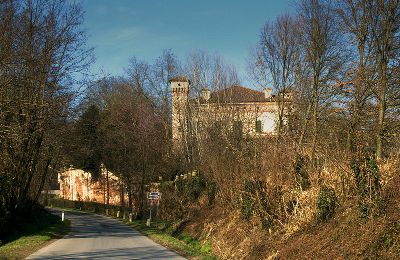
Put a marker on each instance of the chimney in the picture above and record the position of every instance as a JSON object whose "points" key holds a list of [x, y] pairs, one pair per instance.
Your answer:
{"points": [[206, 94], [268, 93]]}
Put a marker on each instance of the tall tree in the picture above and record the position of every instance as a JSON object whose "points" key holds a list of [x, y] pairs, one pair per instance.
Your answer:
{"points": [[206, 73], [43, 48], [88, 142], [321, 59], [385, 25], [356, 24], [165, 67], [277, 59]]}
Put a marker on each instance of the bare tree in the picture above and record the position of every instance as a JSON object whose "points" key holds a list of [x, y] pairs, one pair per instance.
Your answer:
{"points": [[165, 67], [384, 17], [276, 59], [355, 23], [44, 48], [321, 59], [207, 73]]}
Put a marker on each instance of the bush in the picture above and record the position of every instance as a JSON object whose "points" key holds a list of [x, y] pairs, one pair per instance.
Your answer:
{"points": [[301, 174], [195, 186], [178, 194], [247, 208], [326, 203], [254, 201], [89, 206], [247, 200], [212, 189], [170, 205], [180, 185], [366, 174]]}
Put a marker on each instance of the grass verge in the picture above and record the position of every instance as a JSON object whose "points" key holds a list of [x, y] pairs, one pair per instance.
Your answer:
{"points": [[165, 234], [34, 236]]}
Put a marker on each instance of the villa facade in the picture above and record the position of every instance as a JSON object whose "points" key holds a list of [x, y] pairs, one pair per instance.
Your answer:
{"points": [[243, 110]]}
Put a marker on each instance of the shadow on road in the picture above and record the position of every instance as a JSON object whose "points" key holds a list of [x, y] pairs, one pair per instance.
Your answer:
{"points": [[98, 237], [120, 253]]}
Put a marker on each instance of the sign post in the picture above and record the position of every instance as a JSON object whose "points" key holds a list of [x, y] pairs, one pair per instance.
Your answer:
{"points": [[153, 198]]}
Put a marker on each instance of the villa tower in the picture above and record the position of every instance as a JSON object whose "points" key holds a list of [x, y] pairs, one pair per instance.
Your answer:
{"points": [[180, 93]]}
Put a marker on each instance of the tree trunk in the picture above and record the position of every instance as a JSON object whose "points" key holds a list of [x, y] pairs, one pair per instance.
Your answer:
{"points": [[108, 188], [381, 112]]}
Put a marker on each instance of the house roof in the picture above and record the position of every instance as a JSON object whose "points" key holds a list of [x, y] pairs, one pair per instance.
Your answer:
{"points": [[237, 94], [179, 79]]}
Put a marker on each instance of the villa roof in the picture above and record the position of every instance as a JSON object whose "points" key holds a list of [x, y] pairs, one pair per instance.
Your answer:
{"points": [[237, 94], [179, 79]]}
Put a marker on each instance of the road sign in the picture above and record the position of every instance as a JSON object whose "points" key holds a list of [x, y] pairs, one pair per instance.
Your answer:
{"points": [[153, 200], [154, 195]]}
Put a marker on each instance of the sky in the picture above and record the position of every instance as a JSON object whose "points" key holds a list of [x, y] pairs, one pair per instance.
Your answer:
{"points": [[121, 29]]}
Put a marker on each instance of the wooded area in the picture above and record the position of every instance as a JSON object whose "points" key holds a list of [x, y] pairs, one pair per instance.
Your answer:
{"points": [[42, 49], [340, 147]]}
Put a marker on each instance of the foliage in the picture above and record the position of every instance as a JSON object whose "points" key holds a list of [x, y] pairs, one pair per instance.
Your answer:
{"points": [[195, 187], [89, 206], [247, 201], [366, 175], [43, 50], [212, 189], [87, 154], [301, 175], [190, 186], [326, 203], [388, 241], [254, 201]]}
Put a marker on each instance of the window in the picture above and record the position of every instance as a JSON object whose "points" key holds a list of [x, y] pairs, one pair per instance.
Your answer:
{"points": [[265, 123]]}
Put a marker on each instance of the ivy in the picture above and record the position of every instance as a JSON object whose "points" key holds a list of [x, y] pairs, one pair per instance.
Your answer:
{"points": [[326, 203]]}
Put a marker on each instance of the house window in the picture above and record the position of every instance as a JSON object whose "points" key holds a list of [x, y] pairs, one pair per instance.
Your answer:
{"points": [[265, 123], [258, 126]]}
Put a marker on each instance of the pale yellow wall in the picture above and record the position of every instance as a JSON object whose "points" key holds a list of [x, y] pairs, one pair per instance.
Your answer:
{"points": [[205, 114]]}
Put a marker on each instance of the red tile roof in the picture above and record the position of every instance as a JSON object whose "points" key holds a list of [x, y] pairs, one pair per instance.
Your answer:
{"points": [[179, 79], [237, 94]]}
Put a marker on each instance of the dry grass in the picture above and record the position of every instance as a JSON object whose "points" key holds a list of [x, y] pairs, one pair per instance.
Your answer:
{"points": [[296, 233], [303, 213]]}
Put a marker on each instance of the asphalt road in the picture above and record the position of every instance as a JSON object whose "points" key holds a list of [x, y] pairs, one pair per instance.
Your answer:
{"points": [[98, 237]]}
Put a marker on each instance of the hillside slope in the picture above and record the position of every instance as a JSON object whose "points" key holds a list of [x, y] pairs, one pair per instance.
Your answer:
{"points": [[346, 235]]}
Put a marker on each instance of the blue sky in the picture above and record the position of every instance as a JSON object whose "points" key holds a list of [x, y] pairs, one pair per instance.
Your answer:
{"points": [[121, 29]]}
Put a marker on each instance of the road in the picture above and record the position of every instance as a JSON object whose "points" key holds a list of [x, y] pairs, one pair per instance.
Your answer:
{"points": [[98, 237]]}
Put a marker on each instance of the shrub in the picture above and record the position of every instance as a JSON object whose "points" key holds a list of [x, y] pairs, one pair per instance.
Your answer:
{"points": [[254, 201], [195, 187], [301, 173], [366, 175], [180, 185], [326, 203], [247, 200], [247, 208], [212, 189], [191, 186]]}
